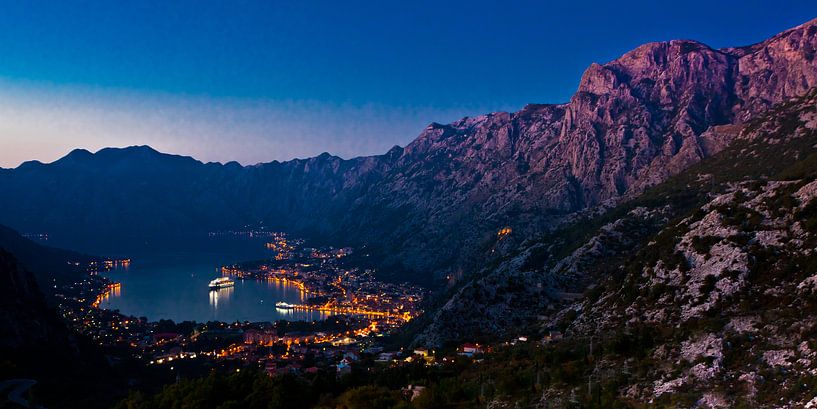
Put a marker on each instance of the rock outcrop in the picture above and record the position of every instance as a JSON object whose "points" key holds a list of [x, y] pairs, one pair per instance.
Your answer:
{"points": [[530, 286]]}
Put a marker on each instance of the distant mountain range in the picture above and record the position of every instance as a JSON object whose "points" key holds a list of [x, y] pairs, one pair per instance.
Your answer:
{"points": [[434, 207]]}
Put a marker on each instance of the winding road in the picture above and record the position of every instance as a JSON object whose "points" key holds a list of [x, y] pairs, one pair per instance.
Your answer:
{"points": [[16, 388]]}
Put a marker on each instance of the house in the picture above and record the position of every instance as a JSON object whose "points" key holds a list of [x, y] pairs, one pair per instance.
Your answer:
{"points": [[470, 350], [260, 337], [552, 336], [344, 367], [421, 351], [352, 356], [411, 392], [373, 350], [386, 357], [271, 368]]}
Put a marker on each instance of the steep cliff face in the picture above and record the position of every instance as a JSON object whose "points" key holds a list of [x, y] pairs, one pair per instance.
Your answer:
{"points": [[435, 205], [642, 240], [728, 289], [697, 293], [640, 118], [776, 69]]}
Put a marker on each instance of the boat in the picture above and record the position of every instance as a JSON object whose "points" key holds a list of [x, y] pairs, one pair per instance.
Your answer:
{"points": [[284, 306], [221, 282]]}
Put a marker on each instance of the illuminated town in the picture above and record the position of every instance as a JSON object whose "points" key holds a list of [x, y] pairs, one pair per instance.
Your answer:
{"points": [[361, 312], [332, 286]]}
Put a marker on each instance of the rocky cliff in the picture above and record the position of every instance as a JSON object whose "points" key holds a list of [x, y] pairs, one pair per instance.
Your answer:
{"points": [[697, 293]]}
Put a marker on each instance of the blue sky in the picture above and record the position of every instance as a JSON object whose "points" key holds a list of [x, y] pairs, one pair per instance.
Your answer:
{"points": [[257, 81]]}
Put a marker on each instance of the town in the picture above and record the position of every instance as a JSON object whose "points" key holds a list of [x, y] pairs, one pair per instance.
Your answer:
{"points": [[362, 312], [360, 333], [332, 285]]}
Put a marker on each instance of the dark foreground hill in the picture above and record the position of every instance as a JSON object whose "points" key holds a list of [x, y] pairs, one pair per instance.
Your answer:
{"points": [[35, 344]]}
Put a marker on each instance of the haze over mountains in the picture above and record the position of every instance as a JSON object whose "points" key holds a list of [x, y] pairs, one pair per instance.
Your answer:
{"points": [[435, 205]]}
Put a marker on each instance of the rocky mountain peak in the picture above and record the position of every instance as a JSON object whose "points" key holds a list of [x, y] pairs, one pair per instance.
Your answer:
{"points": [[779, 68], [598, 80]]}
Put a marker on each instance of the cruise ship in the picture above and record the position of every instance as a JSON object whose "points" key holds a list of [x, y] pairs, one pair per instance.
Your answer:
{"points": [[221, 282], [284, 306]]}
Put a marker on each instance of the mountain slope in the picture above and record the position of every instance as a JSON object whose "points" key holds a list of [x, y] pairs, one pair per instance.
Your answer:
{"points": [[730, 285], [50, 266], [553, 269], [434, 206], [698, 293]]}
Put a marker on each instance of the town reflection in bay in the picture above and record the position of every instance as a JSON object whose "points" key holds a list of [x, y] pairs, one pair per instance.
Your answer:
{"points": [[175, 286]]}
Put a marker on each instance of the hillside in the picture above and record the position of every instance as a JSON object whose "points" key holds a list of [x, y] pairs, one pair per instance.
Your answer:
{"points": [[728, 287], [560, 265], [50, 266], [709, 277]]}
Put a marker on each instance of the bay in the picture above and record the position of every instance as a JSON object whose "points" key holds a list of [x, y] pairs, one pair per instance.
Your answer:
{"points": [[172, 283]]}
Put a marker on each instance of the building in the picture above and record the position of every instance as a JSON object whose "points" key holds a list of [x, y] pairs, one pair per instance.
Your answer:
{"points": [[423, 352], [411, 392], [386, 357], [552, 336], [344, 367], [470, 350]]}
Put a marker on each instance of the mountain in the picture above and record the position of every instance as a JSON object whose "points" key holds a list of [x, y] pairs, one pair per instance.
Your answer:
{"points": [[433, 208], [50, 266], [697, 293], [547, 271], [728, 287]]}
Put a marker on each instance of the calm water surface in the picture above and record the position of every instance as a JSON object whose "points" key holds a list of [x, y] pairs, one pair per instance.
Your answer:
{"points": [[173, 285]]}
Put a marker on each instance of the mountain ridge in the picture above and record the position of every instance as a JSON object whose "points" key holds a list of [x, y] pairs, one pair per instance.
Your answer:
{"points": [[432, 206]]}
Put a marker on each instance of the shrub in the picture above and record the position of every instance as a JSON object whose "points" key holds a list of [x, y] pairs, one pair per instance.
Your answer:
{"points": [[702, 244]]}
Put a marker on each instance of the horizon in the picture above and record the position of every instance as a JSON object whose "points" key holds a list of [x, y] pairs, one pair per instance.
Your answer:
{"points": [[235, 102]]}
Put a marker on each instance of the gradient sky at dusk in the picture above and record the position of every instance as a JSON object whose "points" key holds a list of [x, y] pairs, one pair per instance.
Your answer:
{"points": [[257, 81]]}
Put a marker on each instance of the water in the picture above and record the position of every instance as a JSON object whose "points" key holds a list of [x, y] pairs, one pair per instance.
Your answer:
{"points": [[172, 284]]}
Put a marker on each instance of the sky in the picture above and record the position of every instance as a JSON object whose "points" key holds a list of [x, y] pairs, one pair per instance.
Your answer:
{"points": [[255, 81]]}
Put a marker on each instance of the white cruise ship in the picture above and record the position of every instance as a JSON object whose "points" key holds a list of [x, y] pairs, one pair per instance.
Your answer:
{"points": [[221, 282], [284, 306]]}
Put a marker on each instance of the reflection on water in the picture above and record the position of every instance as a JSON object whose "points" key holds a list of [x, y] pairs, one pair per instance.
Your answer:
{"points": [[285, 285], [177, 287], [221, 295], [113, 291]]}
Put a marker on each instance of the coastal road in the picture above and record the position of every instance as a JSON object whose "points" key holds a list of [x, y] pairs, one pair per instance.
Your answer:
{"points": [[16, 389]]}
